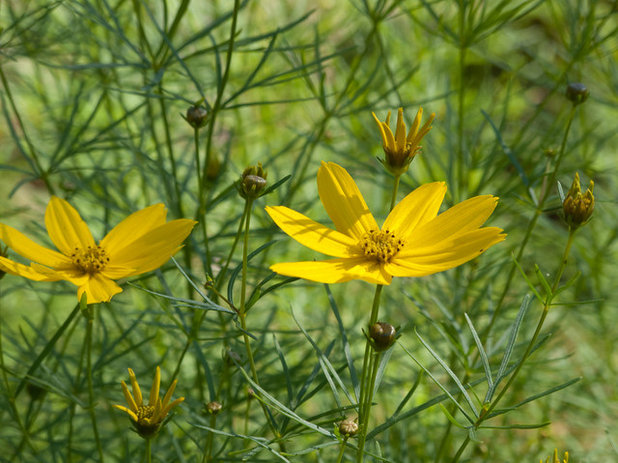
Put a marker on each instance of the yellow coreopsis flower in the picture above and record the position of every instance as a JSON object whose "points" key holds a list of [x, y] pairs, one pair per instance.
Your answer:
{"points": [[399, 148], [140, 243], [147, 418], [414, 240]]}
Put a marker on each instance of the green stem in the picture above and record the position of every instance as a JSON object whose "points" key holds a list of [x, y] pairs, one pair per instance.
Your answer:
{"points": [[395, 190], [208, 447], [463, 47], [548, 300], [462, 447], [148, 450], [341, 450], [365, 382], [91, 403], [243, 290], [539, 210]]}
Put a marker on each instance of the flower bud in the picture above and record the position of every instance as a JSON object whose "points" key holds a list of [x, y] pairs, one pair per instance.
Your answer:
{"points": [[578, 207], [577, 92], [383, 335], [252, 182], [213, 408], [401, 148], [196, 117], [348, 427]]}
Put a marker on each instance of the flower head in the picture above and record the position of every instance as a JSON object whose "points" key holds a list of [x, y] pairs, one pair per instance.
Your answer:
{"points": [[140, 243], [399, 148], [578, 207], [414, 240], [147, 418]]}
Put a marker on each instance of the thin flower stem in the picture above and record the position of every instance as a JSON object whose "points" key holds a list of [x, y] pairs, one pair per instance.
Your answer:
{"points": [[148, 450], [91, 403], [547, 304], [365, 385], [201, 193], [242, 315], [208, 447], [395, 190], [341, 450], [539, 210], [548, 300], [462, 447]]}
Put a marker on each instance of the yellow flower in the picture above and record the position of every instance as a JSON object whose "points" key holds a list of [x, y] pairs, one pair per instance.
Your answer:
{"points": [[556, 459], [578, 207], [414, 240], [140, 243], [399, 148], [147, 418]]}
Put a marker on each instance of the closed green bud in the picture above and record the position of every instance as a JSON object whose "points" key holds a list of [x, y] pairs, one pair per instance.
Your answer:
{"points": [[578, 206], [196, 117], [348, 427], [252, 182], [577, 92], [213, 408], [383, 335]]}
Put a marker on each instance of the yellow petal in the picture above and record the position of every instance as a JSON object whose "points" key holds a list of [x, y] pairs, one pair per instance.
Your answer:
{"points": [[167, 409], [98, 288], [381, 127], [32, 273], [27, 248], [65, 227], [447, 254], [334, 270], [312, 234], [416, 209], [154, 390], [137, 393], [343, 201], [400, 132], [128, 397], [415, 125], [461, 218], [154, 248], [125, 409], [133, 227], [168, 394]]}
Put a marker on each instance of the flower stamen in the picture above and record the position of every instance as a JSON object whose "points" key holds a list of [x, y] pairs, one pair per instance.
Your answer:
{"points": [[91, 260], [145, 414], [382, 245]]}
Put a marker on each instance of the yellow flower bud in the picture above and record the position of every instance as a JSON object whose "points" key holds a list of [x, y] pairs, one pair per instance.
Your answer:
{"points": [[578, 207], [399, 148]]}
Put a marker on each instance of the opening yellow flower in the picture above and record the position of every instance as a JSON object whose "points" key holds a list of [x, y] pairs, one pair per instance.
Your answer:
{"points": [[414, 240], [399, 148], [147, 418], [140, 243]]}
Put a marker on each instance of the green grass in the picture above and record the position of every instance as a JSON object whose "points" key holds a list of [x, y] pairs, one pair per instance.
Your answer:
{"points": [[93, 95]]}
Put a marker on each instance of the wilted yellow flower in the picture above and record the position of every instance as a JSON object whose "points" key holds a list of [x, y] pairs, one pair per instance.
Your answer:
{"points": [[140, 243], [147, 418], [399, 148], [578, 207], [556, 459], [414, 240]]}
